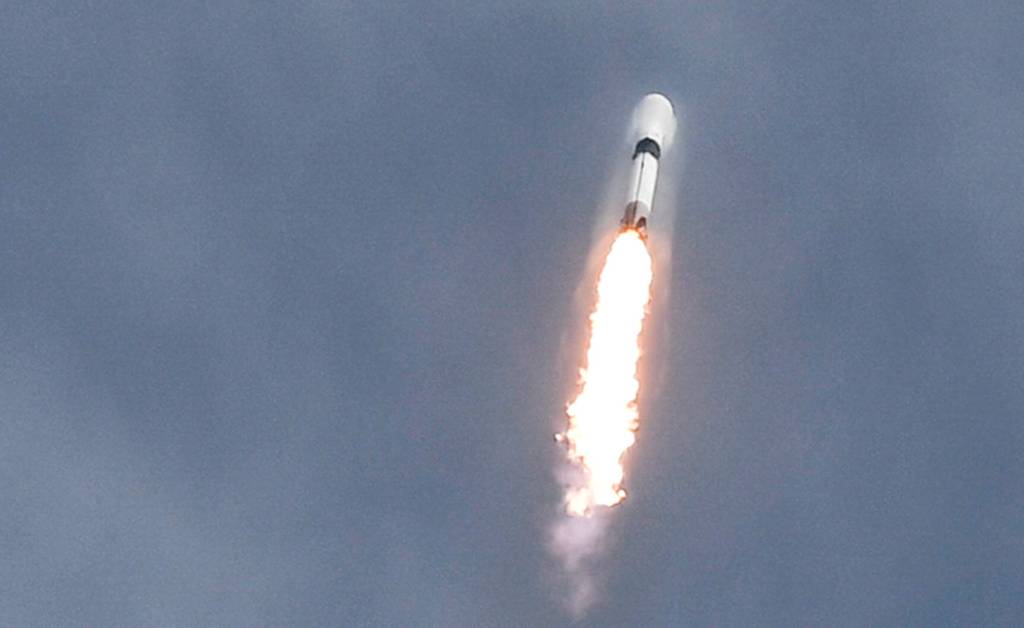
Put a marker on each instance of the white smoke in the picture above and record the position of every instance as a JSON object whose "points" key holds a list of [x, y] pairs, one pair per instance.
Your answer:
{"points": [[577, 542]]}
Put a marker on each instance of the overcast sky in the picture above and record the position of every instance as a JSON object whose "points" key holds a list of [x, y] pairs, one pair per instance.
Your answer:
{"points": [[285, 288]]}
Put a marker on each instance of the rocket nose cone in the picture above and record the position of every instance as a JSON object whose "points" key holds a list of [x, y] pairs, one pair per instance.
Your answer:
{"points": [[655, 118], [656, 100]]}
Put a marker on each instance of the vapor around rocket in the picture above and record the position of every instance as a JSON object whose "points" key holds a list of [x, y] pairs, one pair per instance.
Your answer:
{"points": [[654, 125]]}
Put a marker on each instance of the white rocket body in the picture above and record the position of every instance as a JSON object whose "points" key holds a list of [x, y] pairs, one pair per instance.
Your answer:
{"points": [[654, 125]]}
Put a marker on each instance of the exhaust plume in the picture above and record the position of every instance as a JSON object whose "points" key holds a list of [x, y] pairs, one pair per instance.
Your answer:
{"points": [[603, 418]]}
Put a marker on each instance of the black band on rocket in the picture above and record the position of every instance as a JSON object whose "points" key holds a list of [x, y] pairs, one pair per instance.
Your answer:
{"points": [[647, 145]]}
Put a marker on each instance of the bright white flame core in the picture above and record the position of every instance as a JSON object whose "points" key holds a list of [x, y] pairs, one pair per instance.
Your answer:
{"points": [[603, 418]]}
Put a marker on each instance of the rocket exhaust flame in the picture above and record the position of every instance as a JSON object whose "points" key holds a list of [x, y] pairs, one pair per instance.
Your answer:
{"points": [[603, 418]]}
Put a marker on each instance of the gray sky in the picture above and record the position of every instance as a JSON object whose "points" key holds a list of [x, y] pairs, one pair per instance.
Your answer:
{"points": [[285, 292]]}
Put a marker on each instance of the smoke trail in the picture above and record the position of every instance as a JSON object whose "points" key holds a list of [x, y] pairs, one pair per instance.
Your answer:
{"points": [[577, 542], [603, 418]]}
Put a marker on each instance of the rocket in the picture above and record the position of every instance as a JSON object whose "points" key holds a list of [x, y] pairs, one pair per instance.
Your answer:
{"points": [[654, 124]]}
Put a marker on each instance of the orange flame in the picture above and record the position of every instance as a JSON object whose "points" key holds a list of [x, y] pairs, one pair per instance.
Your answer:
{"points": [[603, 418]]}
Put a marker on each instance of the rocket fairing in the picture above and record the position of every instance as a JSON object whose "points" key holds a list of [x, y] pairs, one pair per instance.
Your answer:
{"points": [[654, 124]]}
